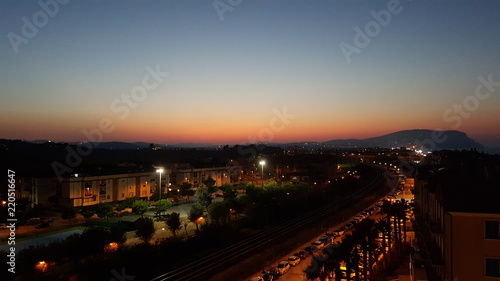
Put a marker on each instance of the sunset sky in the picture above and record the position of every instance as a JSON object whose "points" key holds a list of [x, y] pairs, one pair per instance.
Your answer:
{"points": [[230, 71]]}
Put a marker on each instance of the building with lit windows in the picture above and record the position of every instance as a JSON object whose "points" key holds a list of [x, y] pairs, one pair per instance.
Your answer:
{"points": [[79, 191], [196, 176]]}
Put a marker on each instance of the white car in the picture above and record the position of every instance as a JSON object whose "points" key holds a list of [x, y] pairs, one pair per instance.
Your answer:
{"points": [[293, 260], [283, 267]]}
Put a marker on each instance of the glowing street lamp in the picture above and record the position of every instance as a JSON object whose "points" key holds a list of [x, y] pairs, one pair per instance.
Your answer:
{"points": [[41, 266], [159, 185], [262, 163]]}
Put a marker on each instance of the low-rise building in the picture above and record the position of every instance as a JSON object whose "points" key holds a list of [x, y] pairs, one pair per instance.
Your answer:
{"points": [[78, 191]]}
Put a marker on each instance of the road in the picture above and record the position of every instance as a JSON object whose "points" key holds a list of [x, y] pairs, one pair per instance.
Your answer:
{"points": [[206, 266], [296, 273]]}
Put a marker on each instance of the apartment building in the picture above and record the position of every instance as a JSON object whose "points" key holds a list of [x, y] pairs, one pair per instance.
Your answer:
{"points": [[196, 176], [458, 217], [79, 191]]}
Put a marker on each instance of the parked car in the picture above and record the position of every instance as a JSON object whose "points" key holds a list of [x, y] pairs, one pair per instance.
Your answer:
{"points": [[319, 244], [270, 276], [282, 267], [303, 254], [338, 232], [293, 260], [311, 249], [325, 239]]}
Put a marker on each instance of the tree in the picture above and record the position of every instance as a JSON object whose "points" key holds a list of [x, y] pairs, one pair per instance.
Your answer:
{"points": [[203, 197], [349, 253], [271, 183], [219, 212], [103, 210], [385, 228], [195, 213], [128, 202], [140, 207], [87, 213], [161, 206], [365, 234], [210, 184], [145, 229], [173, 222], [228, 192], [68, 213], [186, 190]]}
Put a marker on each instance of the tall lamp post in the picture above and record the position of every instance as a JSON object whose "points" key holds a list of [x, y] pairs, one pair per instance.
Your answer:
{"points": [[159, 184], [262, 163]]}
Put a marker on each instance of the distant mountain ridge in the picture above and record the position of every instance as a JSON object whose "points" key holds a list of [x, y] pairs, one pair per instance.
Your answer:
{"points": [[422, 138]]}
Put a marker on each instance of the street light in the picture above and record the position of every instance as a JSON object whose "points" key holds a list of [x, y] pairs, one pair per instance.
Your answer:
{"points": [[262, 163], [159, 185]]}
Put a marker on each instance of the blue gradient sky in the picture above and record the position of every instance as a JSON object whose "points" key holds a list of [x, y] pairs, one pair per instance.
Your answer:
{"points": [[226, 77]]}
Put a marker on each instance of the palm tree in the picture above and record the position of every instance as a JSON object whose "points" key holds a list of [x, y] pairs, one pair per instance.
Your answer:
{"points": [[385, 228], [348, 253], [399, 213], [365, 234]]}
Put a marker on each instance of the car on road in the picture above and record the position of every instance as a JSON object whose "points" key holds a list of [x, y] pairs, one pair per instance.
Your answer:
{"points": [[282, 267], [311, 249], [319, 244], [3, 226], [303, 254], [293, 260], [338, 232], [326, 239], [270, 276]]}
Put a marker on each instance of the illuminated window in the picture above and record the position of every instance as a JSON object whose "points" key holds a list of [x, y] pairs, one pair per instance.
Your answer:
{"points": [[87, 191], [492, 267], [491, 229]]}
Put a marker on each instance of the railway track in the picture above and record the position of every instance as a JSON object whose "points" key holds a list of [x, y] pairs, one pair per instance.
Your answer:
{"points": [[222, 259]]}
